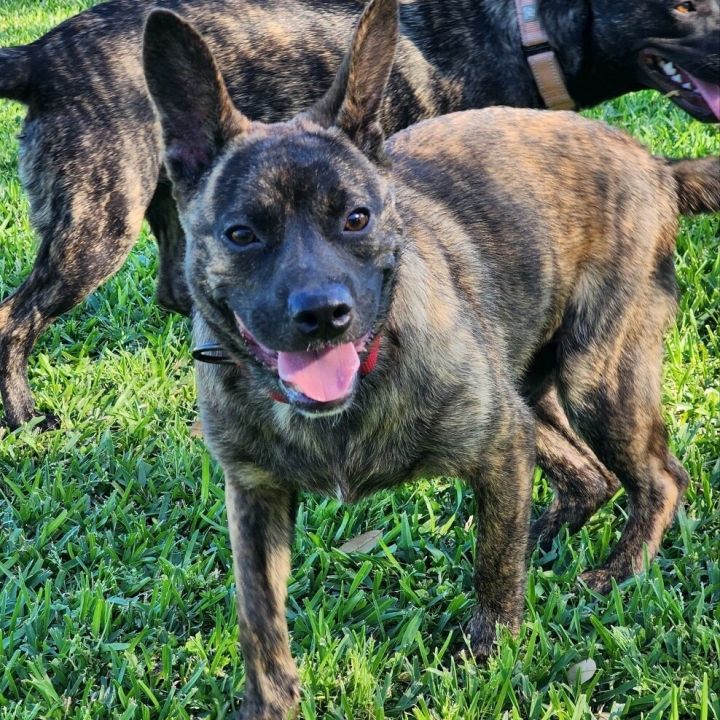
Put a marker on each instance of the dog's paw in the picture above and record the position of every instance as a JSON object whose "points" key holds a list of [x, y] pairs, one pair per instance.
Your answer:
{"points": [[253, 711], [480, 633], [281, 705], [599, 581], [174, 298], [49, 422], [481, 655], [542, 532], [40, 423]]}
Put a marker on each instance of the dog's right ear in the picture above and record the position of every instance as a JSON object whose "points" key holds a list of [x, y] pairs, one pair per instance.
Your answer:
{"points": [[195, 110]]}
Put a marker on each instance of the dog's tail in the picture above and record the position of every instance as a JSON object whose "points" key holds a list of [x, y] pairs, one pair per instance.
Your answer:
{"points": [[15, 73], [698, 184]]}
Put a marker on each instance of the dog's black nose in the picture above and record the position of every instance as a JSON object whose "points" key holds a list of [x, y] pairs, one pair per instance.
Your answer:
{"points": [[323, 314]]}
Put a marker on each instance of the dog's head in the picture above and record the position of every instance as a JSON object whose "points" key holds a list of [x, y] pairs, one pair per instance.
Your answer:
{"points": [[673, 45], [292, 233]]}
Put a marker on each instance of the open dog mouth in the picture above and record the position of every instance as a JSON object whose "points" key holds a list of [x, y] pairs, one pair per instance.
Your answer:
{"points": [[316, 381], [699, 98]]}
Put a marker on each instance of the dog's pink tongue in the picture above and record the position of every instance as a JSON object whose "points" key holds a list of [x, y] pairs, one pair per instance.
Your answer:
{"points": [[322, 376], [710, 93]]}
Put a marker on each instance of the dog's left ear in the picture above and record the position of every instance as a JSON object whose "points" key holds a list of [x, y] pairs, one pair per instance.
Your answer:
{"points": [[196, 113], [354, 99]]}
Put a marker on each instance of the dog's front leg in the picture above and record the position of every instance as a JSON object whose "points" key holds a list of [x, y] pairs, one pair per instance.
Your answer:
{"points": [[261, 522], [503, 489]]}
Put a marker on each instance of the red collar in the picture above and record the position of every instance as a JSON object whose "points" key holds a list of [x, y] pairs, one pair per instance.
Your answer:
{"points": [[371, 358]]}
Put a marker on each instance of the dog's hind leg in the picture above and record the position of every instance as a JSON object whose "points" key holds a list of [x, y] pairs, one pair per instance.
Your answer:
{"points": [[87, 210], [611, 390], [581, 483], [162, 215], [80, 259]]}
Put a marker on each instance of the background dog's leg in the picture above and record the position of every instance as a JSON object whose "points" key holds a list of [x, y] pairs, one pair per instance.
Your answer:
{"points": [[162, 215], [87, 202], [503, 490], [74, 258], [261, 524], [612, 396], [581, 483]]}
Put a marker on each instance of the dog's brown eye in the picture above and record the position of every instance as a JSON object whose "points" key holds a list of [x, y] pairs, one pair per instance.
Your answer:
{"points": [[240, 235], [685, 7], [357, 220]]}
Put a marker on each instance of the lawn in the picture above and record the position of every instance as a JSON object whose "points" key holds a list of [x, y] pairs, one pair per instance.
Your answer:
{"points": [[117, 598]]}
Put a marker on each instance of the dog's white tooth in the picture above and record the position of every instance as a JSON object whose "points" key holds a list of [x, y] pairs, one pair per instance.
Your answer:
{"points": [[687, 86], [668, 68], [677, 78]]}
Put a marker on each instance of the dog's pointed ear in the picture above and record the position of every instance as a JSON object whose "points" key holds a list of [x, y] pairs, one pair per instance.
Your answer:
{"points": [[195, 110], [354, 99]]}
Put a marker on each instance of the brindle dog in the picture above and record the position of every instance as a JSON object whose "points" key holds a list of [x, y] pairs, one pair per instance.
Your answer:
{"points": [[91, 159], [390, 310]]}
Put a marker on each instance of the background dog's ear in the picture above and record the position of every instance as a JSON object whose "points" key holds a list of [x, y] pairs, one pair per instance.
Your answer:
{"points": [[192, 101], [354, 99]]}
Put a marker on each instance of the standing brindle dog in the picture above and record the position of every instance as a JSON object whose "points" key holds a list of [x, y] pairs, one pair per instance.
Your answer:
{"points": [[91, 159], [390, 310]]}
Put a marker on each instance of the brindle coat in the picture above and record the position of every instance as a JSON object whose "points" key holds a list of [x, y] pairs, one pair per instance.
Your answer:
{"points": [[505, 250], [91, 159]]}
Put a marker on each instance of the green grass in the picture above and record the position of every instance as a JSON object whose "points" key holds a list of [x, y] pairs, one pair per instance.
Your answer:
{"points": [[116, 598]]}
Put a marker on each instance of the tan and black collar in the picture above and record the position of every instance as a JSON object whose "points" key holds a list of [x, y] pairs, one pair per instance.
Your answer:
{"points": [[541, 58]]}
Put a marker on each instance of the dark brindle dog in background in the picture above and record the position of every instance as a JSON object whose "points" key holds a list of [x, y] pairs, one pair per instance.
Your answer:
{"points": [[389, 311], [90, 147]]}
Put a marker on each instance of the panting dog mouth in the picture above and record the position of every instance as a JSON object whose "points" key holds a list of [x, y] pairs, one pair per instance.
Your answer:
{"points": [[316, 381], [699, 98]]}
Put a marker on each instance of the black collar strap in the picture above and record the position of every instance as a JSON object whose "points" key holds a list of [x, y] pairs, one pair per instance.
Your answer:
{"points": [[211, 353]]}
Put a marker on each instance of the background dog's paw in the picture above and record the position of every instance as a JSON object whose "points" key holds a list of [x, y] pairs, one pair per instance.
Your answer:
{"points": [[39, 423], [49, 422]]}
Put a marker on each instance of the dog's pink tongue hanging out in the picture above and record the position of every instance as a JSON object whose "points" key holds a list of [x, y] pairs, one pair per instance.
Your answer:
{"points": [[710, 93], [322, 376]]}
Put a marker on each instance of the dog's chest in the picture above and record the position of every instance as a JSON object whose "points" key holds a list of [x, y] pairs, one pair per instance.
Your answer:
{"points": [[383, 449], [348, 463]]}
